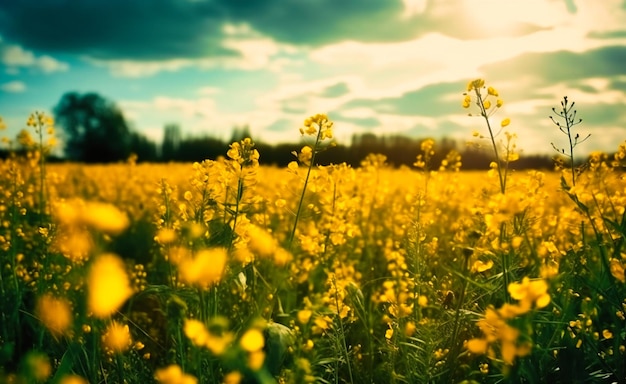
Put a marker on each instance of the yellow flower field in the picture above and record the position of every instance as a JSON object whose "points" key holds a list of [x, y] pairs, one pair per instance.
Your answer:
{"points": [[225, 271]]}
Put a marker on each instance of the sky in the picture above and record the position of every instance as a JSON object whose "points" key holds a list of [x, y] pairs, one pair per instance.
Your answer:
{"points": [[374, 66]]}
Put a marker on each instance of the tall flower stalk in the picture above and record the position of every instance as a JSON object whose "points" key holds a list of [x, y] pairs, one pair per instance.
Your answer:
{"points": [[487, 108], [569, 121], [321, 128]]}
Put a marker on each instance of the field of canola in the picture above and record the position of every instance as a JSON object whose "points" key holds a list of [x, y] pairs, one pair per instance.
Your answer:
{"points": [[229, 272]]}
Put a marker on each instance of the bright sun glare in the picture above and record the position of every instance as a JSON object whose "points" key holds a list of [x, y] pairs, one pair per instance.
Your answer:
{"points": [[500, 16]]}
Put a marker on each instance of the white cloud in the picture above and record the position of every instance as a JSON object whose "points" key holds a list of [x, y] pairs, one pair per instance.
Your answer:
{"points": [[49, 64], [14, 57], [13, 87], [208, 91], [136, 69]]}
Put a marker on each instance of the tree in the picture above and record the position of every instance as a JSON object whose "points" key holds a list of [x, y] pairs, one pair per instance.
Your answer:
{"points": [[171, 142], [144, 148], [95, 129]]}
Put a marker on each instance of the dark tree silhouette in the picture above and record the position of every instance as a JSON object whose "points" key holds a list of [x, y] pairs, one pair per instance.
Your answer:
{"points": [[171, 142], [144, 148], [94, 128]]}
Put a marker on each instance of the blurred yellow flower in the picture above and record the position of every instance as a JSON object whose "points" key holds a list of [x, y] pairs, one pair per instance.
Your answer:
{"points": [[104, 217], [196, 331], [173, 374], [505, 122], [477, 346], [108, 285], [617, 270], [475, 84], [481, 266], [165, 236], [252, 340], [73, 379], [304, 315], [529, 292], [205, 269], [101, 216], [467, 101], [117, 337], [54, 313], [305, 155], [256, 360], [233, 377]]}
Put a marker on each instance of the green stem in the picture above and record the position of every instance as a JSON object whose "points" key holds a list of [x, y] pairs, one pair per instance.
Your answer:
{"points": [[483, 113], [240, 187], [342, 333], [306, 182]]}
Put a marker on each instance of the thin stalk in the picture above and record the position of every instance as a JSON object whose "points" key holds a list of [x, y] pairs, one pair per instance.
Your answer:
{"points": [[120, 367], [342, 334], [483, 113], [505, 266], [457, 315], [42, 175], [240, 187], [306, 182]]}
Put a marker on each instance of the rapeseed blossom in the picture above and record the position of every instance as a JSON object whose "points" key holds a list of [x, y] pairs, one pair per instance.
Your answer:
{"points": [[108, 285], [173, 374], [318, 125], [117, 337], [54, 313], [204, 269], [530, 292]]}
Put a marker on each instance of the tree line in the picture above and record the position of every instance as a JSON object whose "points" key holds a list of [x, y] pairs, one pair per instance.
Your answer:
{"points": [[94, 130]]}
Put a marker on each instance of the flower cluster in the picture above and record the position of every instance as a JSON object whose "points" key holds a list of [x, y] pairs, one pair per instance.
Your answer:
{"points": [[496, 329], [318, 125]]}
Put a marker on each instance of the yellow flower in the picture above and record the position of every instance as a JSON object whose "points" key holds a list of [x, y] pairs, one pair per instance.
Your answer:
{"points": [[480, 266], [104, 217], [475, 84], [617, 270], [477, 346], [256, 360], [234, 377], [252, 340], [487, 104], [389, 333], [304, 316], [306, 154], [196, 332], [73, 379], [409, 328], [165, 236], [505, 122], [491, 91], [467, 101], [108, 285], [205, 269], [173, 374], [117, 337], [499, 103], [55, 314], [529, 292]]}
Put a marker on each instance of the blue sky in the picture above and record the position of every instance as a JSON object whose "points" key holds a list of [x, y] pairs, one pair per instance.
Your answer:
{"points": [[379, 66]]}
